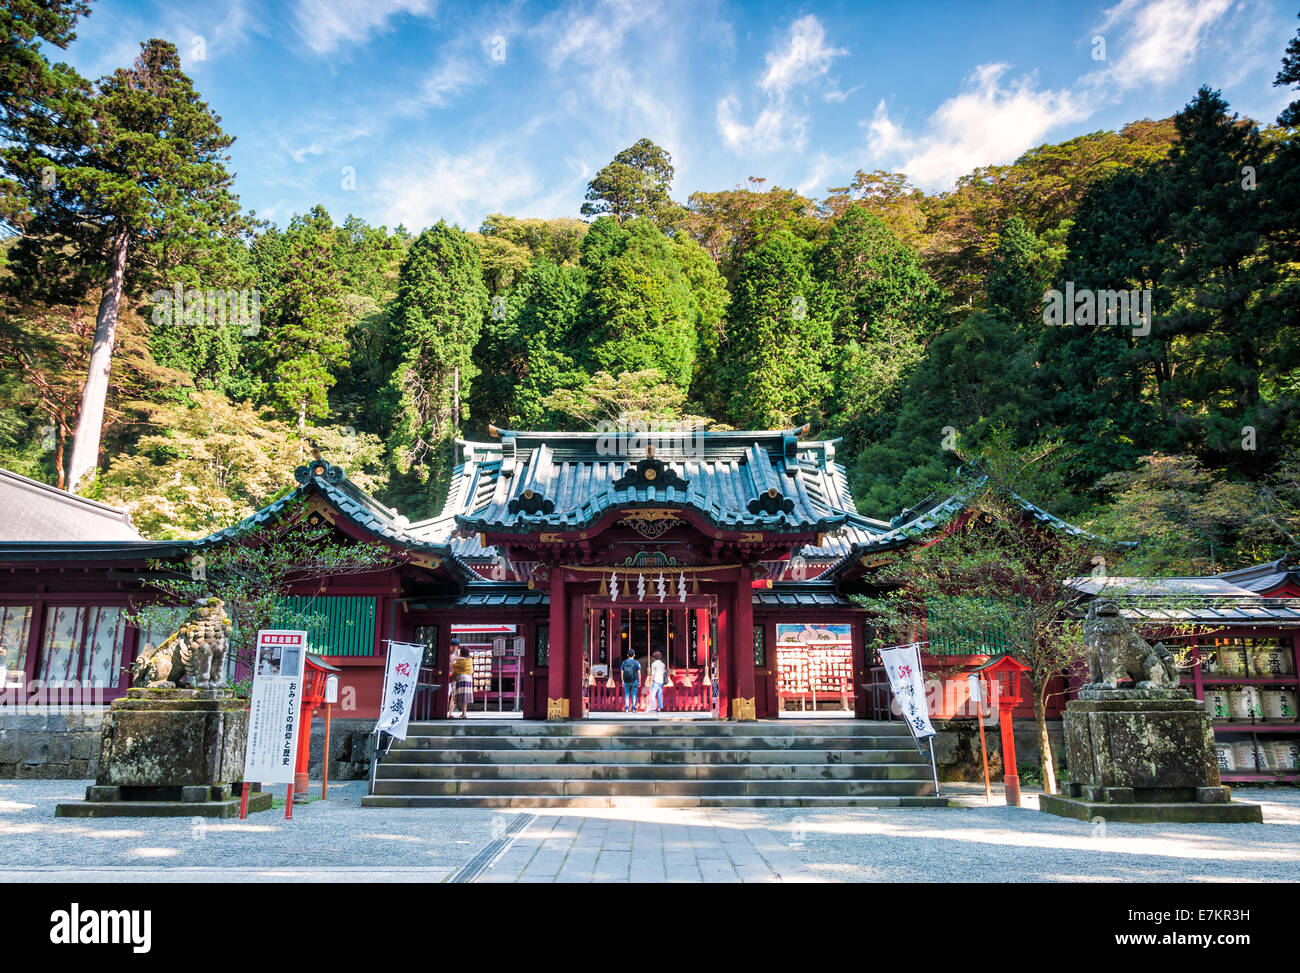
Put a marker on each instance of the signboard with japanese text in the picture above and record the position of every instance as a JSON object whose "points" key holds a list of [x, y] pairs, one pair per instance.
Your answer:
{"points": [[273, 713], [399, 688], [903, 667]]}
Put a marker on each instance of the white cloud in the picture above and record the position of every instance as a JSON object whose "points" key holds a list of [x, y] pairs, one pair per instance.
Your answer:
{"points": [[990, 122], [460, 187], [328, 24], [1163, 37], [773, 129], [805, 58], [995, 119]]}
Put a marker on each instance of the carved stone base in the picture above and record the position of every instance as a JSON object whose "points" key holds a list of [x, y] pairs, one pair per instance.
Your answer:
{"points": [[1129, 756], [170, 752]]}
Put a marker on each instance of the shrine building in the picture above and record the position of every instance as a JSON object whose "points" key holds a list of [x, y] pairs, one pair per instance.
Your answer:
{"points": [[733, 555]]}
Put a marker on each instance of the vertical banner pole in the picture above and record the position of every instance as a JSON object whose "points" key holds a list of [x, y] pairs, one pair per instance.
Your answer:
{"points": [[934, 770], [243, 802], [288, 804], [325, 773]]}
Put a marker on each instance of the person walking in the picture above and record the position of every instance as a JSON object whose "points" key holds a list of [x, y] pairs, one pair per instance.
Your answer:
{"points": [[631, 670], [462, 680], [658, 672]]}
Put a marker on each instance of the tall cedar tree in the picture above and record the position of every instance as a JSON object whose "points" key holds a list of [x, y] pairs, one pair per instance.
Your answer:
{"points": [[640, 311], [140, 190], [305, 347], [40, 103], [883, 309], [437, 319], [777, 338]]}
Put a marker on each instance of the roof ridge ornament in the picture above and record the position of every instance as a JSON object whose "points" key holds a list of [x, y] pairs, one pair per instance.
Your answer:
{"points": [[319, 468], [650, 472]]}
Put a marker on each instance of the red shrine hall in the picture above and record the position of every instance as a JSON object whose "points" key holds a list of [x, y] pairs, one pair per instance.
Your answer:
{"points": [[730, 557]]}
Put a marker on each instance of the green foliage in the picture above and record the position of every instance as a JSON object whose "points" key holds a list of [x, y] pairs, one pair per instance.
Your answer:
{"points": [[639, 310], [635, 184], [437, 319], [778, 338]]}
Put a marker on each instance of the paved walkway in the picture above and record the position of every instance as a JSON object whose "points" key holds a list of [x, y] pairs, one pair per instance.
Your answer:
{"points": [[647, 845], [339, 840]]}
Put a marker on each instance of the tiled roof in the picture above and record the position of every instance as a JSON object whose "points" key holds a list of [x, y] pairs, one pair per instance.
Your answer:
{"points": [[486, 594], [359, 507], [1217, 611], [34, 511], [1263, 577], [806, 594], [737, 480], [918, 522]]}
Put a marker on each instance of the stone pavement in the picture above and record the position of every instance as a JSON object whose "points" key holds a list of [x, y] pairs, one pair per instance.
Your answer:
{"points": [[647, 845], [339, 840]]}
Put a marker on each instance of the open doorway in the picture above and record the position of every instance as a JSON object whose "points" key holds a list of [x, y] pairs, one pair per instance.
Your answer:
{"points": [[814, 669], [497, 654], [683, 637]]}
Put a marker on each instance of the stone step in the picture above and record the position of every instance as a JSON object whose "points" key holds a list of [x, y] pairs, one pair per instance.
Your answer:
{"points": [[539, 801], [501, 755], [649, 742], [411, 787], [755, 771], [689, 728]]}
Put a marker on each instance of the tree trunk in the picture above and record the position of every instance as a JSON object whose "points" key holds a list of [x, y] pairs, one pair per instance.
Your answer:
{"points": [[90, 417], [1044, 741]]}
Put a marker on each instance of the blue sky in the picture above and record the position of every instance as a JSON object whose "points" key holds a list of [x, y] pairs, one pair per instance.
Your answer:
{"points": [[414, 110]]}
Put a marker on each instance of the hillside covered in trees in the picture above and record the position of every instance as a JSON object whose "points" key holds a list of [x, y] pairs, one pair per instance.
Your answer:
{"points": [[910, 324]]}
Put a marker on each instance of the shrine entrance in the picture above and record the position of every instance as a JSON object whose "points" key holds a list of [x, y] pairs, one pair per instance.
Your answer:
{"points": [[682, 635], [814, 669], [497, 651]]}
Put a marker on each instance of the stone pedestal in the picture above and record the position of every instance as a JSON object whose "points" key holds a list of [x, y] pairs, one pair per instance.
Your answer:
{"points": [[1142, 755], [170, 752]]}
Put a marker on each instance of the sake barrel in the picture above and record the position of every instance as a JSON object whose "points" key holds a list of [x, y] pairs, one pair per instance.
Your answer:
{"points": [[1242, 703], [1272, 662], [1286, 754], [1216, 704], [1279, 705], [1244, 755], [1232, 662], [1224, 754], [1209, 659], [1265, 758]]}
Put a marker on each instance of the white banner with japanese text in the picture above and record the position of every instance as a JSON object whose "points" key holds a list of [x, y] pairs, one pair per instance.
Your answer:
{"points": [[903, 667], [273, 713], [399, 687]]}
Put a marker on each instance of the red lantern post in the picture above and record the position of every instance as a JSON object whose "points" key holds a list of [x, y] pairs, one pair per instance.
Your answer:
{"points": [[1004, 672]]}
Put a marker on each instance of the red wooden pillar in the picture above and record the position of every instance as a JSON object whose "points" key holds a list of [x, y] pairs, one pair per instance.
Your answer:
{"points": [[858, 668], [743, 706], [578, 637], [726, 623], [557, 691]]}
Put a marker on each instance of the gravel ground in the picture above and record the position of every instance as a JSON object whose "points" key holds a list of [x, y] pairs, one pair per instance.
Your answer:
{"points": [[334, 840], [338, 840]]}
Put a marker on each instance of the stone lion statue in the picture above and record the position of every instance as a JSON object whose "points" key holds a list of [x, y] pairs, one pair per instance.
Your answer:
{"points": [[1116, 652], [195, 654]]}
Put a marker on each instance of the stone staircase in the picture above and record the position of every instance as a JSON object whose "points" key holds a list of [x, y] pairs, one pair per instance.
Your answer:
{"points": [[769, 763]]}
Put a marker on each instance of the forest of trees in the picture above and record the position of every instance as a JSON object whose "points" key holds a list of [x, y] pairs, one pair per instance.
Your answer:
{"points": [[905, 322]]}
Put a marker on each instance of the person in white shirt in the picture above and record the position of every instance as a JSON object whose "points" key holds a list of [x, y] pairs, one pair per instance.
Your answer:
{"points": [[657, 673]]}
